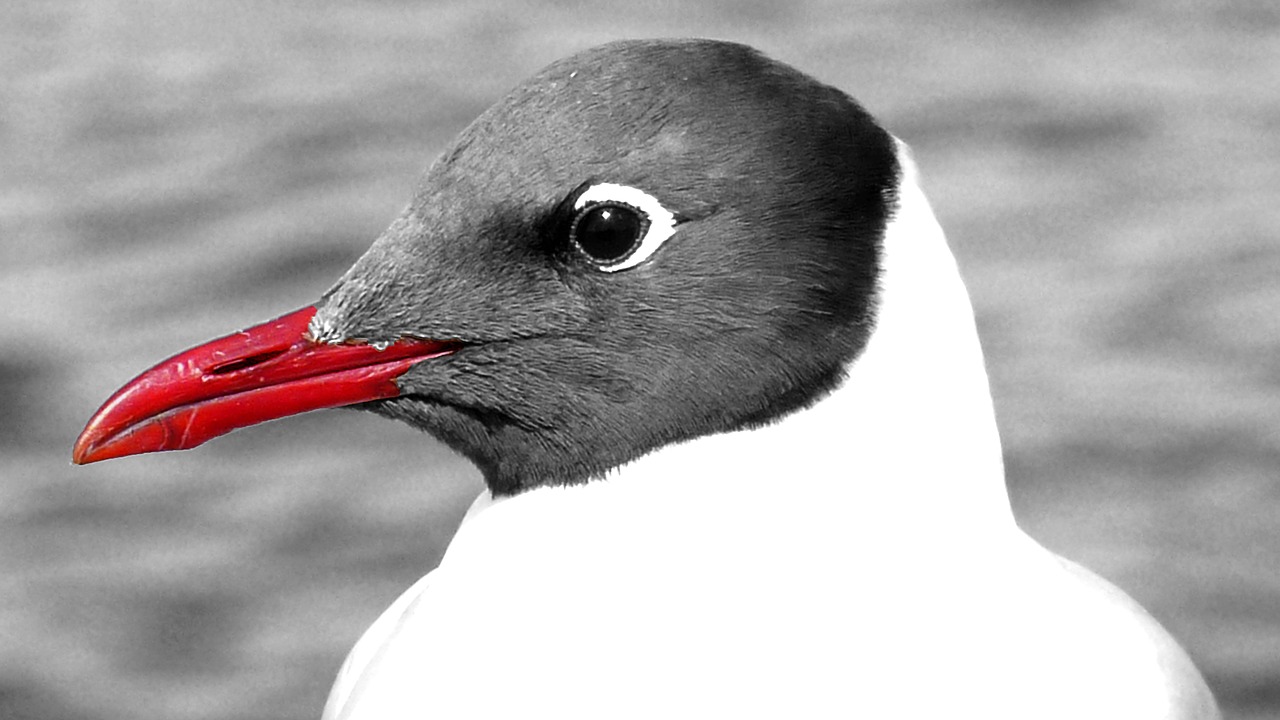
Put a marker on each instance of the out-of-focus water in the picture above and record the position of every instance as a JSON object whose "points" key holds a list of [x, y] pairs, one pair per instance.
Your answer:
{"points": [[1107, 173]]}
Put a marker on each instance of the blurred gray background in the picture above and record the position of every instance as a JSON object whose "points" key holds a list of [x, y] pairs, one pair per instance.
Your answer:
{"points": [[1108, 173]]}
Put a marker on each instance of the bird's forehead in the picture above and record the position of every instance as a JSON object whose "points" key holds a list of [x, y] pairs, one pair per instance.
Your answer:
{"points": [[635, 102], [575, 124]]}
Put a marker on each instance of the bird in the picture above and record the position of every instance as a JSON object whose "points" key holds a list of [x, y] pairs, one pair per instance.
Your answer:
{"points": [[689, 312]]}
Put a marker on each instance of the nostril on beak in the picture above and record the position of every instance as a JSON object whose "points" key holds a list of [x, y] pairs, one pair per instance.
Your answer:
{"points": [[244, 363]]}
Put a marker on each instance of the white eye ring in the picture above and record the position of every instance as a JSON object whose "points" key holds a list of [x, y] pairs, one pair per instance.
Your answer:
{"points": [[662, 223]]}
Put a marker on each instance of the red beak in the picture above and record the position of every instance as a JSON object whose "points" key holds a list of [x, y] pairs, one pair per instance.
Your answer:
{"points": [[259, 374]]}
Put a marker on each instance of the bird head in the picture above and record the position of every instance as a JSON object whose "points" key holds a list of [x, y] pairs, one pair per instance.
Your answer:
{"points": [[644, 243]]}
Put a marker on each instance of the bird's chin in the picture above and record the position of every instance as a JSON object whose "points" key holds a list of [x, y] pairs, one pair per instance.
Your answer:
{"points": [[511, 456], [445, 421], [467, 431]]}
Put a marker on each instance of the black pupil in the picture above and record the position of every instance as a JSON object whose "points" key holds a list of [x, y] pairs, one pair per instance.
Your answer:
{"points": [[608, 232]]}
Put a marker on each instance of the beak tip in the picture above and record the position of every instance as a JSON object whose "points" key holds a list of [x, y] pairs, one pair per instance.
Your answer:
{"points": [[85, 449], [89, 444]]}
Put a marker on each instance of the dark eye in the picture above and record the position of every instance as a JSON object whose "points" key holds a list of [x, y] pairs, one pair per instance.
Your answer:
{"points": [[617, 227], [608, 232]]}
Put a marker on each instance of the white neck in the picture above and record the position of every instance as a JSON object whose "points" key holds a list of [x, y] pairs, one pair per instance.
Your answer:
{"points": [[917, 406]]}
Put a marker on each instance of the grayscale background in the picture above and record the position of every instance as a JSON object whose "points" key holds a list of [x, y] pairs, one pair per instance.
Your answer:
{"points": [[1108, 174]]}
